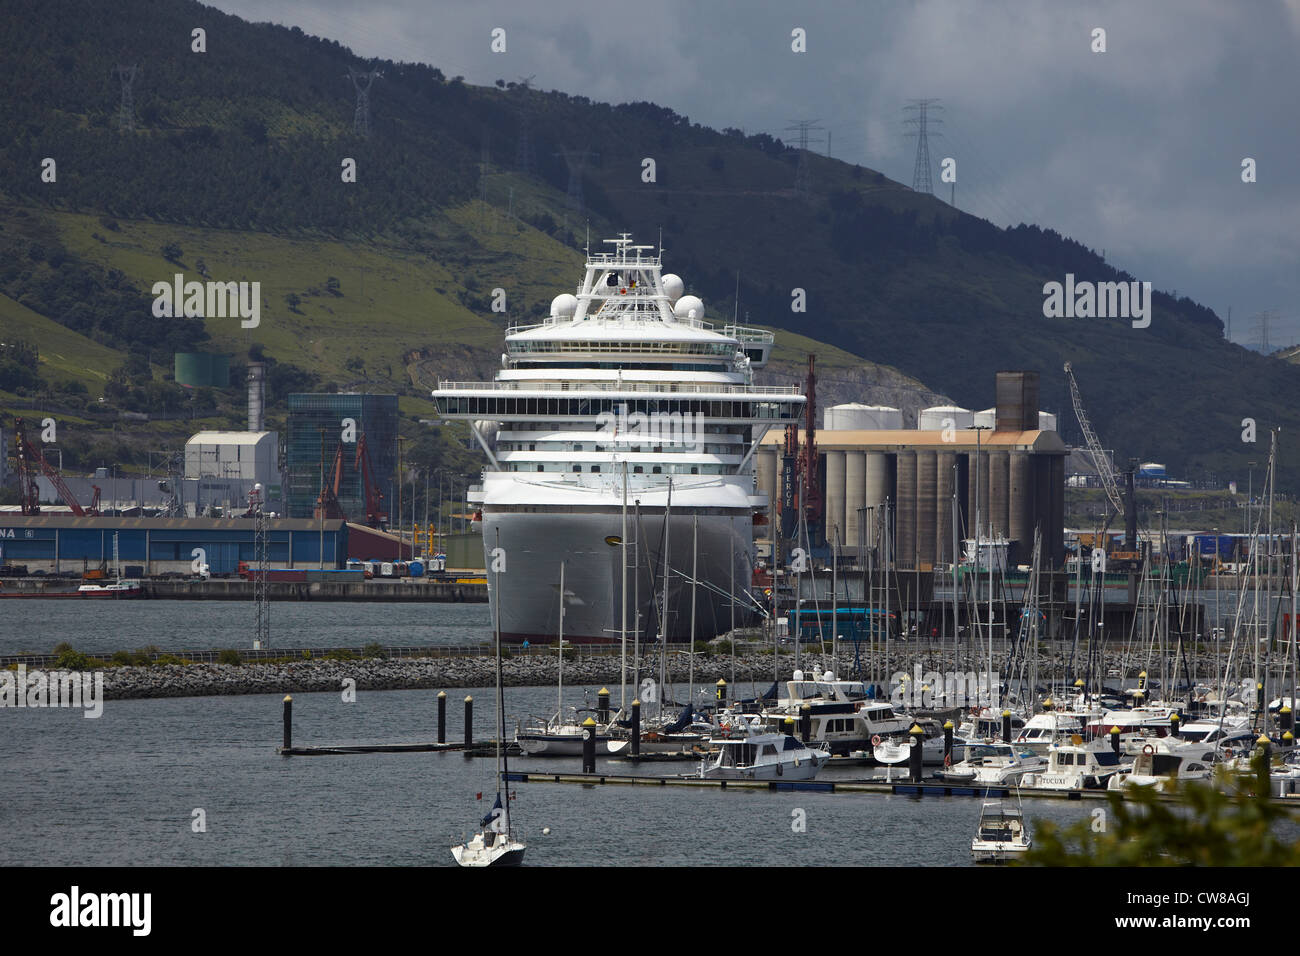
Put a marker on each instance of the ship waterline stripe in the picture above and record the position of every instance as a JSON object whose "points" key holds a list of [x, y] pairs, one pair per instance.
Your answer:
{"points": [[584, 509]]}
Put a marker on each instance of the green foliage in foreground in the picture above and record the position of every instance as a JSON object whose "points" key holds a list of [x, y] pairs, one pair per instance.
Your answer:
{"points": [[1205, 827]]}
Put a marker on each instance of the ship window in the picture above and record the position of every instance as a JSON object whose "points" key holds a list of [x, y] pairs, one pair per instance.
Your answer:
{"points": [[656, 470], [637, 469], [695, 471], [577, 468], [595, 468], [541, 467]]}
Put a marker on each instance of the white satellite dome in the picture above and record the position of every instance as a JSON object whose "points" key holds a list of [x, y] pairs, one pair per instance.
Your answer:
{"points": [[688, 304], [673, 287], [564, 305]]}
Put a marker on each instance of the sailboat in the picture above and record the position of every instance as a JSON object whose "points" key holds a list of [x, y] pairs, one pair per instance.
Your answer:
{"points": [[120, 588], [496, 843], [559, 737]]}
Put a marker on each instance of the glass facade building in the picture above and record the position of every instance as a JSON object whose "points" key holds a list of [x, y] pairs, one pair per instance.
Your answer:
{"points": [[317, 426]]}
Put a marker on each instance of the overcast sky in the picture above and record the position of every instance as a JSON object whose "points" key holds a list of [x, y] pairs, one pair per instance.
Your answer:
{"points": [[1136, 151]]}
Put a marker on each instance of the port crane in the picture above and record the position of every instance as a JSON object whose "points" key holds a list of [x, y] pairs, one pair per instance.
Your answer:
{"points": [[327, 503], [29, 457], [1125, 504], [376, 514]]}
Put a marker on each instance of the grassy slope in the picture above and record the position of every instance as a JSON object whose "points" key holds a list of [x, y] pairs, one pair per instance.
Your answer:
{"points": [[65, 354]]}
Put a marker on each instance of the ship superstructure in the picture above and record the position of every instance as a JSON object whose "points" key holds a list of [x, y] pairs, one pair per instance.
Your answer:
{"points": [[622, 422]]}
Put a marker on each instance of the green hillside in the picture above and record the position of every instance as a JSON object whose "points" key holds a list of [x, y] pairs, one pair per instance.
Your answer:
{"points": [[235, 159]]}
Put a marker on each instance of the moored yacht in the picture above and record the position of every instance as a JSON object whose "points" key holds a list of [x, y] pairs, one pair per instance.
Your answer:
{"points": [[762, 757]]}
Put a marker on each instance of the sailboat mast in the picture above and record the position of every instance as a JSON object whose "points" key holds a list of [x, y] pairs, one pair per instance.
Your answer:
{"points": [[695, 564], [622, 703], [559, 692], [663, 617], [503, 768]]}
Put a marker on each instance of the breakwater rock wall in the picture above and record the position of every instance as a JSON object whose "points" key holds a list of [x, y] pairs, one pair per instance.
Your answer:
{"points": [[208, 679]]}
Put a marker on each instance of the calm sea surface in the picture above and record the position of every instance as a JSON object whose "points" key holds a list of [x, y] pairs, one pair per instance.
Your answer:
{"points": [[124, 789], [36, 625]]}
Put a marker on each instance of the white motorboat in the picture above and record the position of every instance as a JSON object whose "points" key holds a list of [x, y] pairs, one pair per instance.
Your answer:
{"points": [[1002, 834], [844, 719], [897, 750], [991, 763], [986, 724], [763, 757], [1078, 766], [1164, 762], [1043, 730]]}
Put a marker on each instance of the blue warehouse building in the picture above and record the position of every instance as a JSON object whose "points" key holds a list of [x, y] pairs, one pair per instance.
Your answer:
{"points": [[55, 543]]}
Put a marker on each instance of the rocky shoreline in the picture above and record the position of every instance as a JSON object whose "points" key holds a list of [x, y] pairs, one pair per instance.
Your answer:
{"points": [[370, 674]]}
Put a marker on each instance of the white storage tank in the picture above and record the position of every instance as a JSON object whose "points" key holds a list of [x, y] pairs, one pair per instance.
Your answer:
{"points": [[987, 418], [937, 418], [853, 416], [1046, 422]]}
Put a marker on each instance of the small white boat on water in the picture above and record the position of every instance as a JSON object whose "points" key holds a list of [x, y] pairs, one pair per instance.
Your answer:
{"points": [[497, 843], [1002, 834], [762, 757]]}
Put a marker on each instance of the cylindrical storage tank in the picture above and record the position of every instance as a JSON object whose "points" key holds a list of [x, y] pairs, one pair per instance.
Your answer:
{"points": [[853, 416], [988, 418], [927, 463], [945, 482], [833, 511], [905, 504], [1020, 506], [1046, 422], [876, 482], [999, 481], [940, 417], [855, 496]]}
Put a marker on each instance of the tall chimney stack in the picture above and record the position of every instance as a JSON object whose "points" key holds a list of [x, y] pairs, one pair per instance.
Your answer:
{"points": [[256, 395]]}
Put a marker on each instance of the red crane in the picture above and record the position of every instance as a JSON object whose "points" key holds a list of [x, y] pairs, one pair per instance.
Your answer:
{"points": [[29, 455], [327, 504], [376, 514]]}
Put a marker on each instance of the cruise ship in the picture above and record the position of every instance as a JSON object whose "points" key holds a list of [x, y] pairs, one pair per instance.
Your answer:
{"points": [[620, 437]]}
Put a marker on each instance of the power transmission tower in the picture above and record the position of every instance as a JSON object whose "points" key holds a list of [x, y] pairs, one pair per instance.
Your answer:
{"points": [[803, 175], [576, 161], [258, 504], [361, 118], [921, 181], [1262, 322], [126, 113], [525, 157]]}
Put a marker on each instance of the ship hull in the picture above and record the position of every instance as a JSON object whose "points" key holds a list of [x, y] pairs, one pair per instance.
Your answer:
{"points": [[526, 585]]}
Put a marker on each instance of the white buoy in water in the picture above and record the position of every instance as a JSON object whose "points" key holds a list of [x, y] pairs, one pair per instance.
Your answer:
{"points": [[546, 831]]}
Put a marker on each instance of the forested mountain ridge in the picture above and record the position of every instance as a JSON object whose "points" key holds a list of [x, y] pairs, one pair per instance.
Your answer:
{"points": [[250, 137]]}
